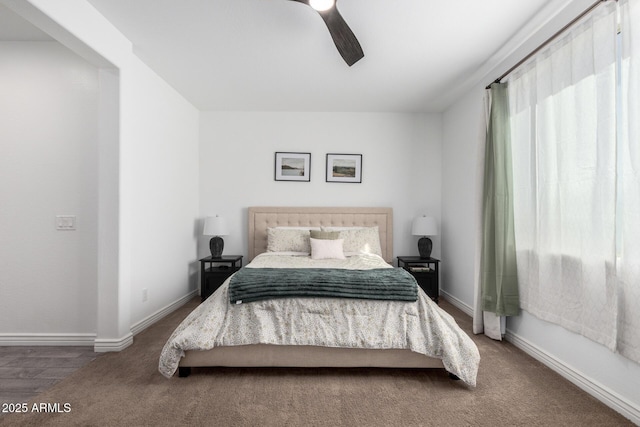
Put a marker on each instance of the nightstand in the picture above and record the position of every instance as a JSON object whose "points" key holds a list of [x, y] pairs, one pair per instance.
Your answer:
{"points": [[212, 276], [425, 270]]}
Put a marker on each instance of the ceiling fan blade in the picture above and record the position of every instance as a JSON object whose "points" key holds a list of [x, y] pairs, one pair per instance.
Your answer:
{"points": [[342, 36], [344, 39]]}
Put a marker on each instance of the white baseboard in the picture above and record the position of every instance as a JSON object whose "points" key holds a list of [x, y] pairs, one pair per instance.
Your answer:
{"points": [[153, 318], [595, 389], [100, 345], [47, 339], [112, 344], [457, 303], [107, 345]]}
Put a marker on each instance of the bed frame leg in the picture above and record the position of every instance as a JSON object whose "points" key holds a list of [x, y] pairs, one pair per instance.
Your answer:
{"points": [[184, 371], [453, 377]]}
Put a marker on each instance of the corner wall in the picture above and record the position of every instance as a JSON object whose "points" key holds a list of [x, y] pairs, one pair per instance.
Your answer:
{"points": [[160, 186], [463, 126]]}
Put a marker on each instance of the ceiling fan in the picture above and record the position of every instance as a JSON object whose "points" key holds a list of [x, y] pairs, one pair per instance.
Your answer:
{"points": [[342, 36]]}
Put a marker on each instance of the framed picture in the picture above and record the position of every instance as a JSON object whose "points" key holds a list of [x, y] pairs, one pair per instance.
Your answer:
{"points": [[293, 167], [344, 167]]}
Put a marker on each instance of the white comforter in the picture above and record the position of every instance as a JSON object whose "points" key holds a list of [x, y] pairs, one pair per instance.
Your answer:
{"points": [[329, 322]]}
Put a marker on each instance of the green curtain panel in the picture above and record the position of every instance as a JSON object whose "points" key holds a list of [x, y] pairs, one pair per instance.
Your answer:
{"points": [[499, 275]]}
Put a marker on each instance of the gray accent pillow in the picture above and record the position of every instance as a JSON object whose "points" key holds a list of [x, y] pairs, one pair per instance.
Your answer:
{"points": [[325, 235]]}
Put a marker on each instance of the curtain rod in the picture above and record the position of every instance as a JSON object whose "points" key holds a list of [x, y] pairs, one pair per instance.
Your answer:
{"points": [[549, 40]]}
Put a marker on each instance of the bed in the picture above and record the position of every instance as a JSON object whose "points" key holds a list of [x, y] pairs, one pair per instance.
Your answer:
{"points": [[319, 331]]}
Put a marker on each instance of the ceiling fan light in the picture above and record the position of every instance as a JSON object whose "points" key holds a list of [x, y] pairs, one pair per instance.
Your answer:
{"points": [[322, 5]]}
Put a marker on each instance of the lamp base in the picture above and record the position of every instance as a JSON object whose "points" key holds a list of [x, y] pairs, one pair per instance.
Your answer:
{"points": [[424, 247], [216, 245]]}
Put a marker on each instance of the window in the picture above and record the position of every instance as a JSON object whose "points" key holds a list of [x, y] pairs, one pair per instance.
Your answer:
{"points": [[575, 181]]}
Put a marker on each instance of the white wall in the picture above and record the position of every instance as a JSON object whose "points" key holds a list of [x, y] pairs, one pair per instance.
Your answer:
{"points": [[463, 125], [401, 166], [48, 167], [161, 179]]}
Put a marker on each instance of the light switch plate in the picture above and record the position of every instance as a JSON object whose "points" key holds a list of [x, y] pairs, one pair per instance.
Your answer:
{"points": [[65, 222]]}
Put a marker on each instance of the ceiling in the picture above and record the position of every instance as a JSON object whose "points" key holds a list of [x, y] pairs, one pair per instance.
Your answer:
{"points": [[277, 55], [14, 28]]}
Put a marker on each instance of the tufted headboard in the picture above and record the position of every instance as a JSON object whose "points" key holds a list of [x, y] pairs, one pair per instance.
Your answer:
{"points": [[261, 218]]}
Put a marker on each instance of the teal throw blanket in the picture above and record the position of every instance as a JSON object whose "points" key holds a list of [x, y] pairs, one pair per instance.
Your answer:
{"points": [[254, 284]]}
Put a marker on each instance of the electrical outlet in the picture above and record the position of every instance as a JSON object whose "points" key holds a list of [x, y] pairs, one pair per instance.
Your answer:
{"points": [[145, 294]]}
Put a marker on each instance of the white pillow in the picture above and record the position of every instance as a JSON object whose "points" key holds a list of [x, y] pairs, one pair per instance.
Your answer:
{"points": [[359, 239], [287, 240], [327, 249]]}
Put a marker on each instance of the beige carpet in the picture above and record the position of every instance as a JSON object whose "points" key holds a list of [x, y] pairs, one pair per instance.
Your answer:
{"points": [[125, 389]]}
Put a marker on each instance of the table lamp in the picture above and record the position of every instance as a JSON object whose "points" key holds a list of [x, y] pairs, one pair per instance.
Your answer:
{"points": [[215, 226], [424, 226]]}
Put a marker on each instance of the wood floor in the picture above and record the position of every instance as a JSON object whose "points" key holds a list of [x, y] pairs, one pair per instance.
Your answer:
{"points": [[27, 371]]}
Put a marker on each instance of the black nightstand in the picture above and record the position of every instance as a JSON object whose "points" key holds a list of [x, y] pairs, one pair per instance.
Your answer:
{"points": [[212, 277], [425, 270]]}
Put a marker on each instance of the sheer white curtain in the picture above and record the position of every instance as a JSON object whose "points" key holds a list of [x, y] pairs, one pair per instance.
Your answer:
{"points": [[629, 184], [563, 112]]}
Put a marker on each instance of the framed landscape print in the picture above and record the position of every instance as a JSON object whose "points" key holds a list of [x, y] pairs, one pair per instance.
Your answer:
{"points": [[344, 167], [293, 166]]}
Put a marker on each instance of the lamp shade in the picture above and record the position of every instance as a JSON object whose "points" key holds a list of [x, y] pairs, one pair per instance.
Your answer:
{"points": [[215, 226], [424, 226]]}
